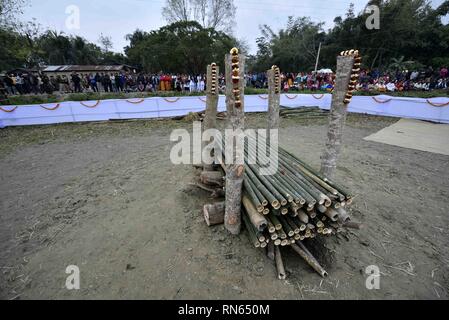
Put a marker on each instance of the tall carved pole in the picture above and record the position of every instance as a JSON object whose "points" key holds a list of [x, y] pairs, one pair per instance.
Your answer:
{"points": [[274, 97], [212, 96], [234, 69], [348, 70]]}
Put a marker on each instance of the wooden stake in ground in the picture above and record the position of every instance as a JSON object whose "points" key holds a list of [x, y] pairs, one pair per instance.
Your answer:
{"points": [[337, 116], [274, 97], [214, 213], [212, 96], [234, 70]]}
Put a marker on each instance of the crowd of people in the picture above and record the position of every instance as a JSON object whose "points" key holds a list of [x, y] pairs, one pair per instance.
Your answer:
{"points": [[370, 80], [27, 83]]}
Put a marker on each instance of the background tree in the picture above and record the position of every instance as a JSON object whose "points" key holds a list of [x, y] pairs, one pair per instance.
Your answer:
{"points": [[408, 28], [9, 9], [216, 14], [292, 48], [184, 47], [106, 42]]}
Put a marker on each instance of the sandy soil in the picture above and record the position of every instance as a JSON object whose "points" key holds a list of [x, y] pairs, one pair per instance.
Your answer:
{"points": [[106, 198]]}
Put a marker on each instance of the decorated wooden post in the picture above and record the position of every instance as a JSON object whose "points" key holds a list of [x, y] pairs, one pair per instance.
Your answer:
{"points": [[212, 96], [348, 70], [234, 69], [274, 97]]}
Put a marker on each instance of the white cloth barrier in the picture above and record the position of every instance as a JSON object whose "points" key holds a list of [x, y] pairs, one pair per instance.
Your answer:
{"points": [[435, 109]]}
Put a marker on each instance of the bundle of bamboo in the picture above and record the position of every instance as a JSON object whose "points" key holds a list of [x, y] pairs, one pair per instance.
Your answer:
{"points": [[306, 113], [292, 205]]}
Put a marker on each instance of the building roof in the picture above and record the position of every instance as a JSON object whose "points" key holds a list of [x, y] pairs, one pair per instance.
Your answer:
{"points": [[22, 70], [79, 68]]}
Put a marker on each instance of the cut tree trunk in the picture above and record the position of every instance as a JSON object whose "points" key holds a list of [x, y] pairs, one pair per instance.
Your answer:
{"points": [[337, 116], [235, 168], [210, 119], [274, 101], [214, 213]]}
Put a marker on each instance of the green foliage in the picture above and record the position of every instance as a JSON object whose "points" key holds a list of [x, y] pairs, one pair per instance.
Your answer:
{"points": [[27, 47], [410, 30], [184, 47]]}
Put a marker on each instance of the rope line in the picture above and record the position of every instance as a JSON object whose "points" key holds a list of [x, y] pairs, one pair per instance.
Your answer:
{"points": [[172, 101], [437, 104], [136, 102], [93, 106], [8, 111], [51, 109]]}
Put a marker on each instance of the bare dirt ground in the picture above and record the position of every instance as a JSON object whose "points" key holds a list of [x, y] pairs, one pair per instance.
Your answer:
{"points": [[105, 197]]}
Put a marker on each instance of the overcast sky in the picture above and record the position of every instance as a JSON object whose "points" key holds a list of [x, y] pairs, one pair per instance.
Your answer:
{"points": [[117, 18]]}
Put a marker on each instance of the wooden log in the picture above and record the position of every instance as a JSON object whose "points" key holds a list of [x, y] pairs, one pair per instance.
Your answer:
{"points": [[235, 167], [279, 264], [337, 116], [210, 119], [215, 192], [257, 220], [309, 258], [212, 178], [353, 225], [214, 213]]}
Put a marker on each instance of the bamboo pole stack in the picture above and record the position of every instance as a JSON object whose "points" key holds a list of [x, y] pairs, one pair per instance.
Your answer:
{"points": [[295, 204], [305, 113]]}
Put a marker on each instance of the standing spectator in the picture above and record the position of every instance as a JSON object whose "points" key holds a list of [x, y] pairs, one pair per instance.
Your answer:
{"points": [[34, 84], [443, 73], [121, 82], [113, 83], [54, 84], [76, 82], [93, 82], [9, 82], [19, 83], [98, 80]]}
